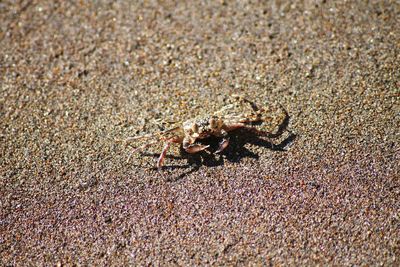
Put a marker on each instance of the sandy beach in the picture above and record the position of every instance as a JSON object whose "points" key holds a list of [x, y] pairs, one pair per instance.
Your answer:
{"points": [[78, 78]]}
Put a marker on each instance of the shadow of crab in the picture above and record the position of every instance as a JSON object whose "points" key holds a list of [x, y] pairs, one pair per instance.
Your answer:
{"points": [[235, 152]]}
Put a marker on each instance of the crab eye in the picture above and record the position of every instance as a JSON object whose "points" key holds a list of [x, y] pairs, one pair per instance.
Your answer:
{"points": [[213, 123], [195, 128]]}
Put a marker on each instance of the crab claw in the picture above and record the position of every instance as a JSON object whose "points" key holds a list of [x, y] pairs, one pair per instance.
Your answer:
{"points": [[195, 148], [222, 145]]}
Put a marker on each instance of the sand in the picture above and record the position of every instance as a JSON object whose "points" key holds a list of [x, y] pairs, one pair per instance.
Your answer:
{"points": [[77, 79]]}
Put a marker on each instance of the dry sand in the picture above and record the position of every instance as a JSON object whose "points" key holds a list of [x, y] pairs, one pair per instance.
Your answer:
{"points": [[77, 78]]}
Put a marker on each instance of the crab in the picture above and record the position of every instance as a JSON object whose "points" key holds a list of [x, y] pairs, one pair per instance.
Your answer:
{"points": [[218, 125]]}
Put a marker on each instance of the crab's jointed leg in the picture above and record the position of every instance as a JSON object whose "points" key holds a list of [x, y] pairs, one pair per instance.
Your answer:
{"points": [[238, 125], [157, 136], [235, 126], [144, 146], [224, 143], [140, 148], [253, 105], [244, 124], [175, 139]]}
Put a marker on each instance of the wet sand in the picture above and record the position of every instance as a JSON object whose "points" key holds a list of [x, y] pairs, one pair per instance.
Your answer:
{"points": [[77, 79]]}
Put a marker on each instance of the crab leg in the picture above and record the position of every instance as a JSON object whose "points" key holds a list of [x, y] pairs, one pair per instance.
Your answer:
{"points": [[168, 143], [235, 126], [263, 133], [242, 124], [162, 155], [224, 143], [140, 148], [144, 146], [281, 129], [253, 105]]}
